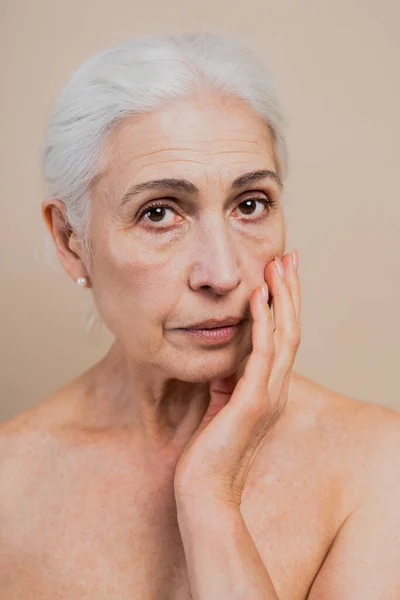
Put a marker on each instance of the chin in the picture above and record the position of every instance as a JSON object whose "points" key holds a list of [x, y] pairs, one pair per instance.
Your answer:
{"points": [[217, 365]]}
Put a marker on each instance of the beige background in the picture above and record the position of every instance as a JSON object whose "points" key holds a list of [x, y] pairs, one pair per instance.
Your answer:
{"points": [[337, 64]]}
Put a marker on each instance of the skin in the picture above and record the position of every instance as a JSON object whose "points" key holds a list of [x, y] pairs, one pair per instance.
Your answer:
{"points": [[87, 505], [148, 283]]}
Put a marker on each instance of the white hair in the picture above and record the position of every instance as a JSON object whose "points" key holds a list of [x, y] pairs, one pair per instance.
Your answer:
{"points": [[137, 77], [134, 78]]}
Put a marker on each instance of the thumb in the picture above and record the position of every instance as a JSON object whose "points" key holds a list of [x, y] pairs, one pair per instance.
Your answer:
{"points": [[221, 390], [220, 393]]}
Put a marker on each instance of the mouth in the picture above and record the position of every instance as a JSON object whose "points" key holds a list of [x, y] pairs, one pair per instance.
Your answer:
{"points": [[215, 323], [216, 335]]}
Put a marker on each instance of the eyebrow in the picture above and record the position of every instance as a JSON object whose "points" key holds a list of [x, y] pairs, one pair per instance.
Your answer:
{"points": [[187, 187]]}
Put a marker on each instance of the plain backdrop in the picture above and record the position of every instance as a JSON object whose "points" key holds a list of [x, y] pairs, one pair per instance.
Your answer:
{"points": [[337, 66]]}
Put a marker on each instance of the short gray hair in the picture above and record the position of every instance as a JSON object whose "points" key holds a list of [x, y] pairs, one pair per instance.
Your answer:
{"points": [[137, 77]]}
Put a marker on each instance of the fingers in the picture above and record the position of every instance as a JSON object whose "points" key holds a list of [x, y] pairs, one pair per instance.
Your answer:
{"points": [[273, 354], [286, 321], [254, 380], [286, 304], [292, 279]]}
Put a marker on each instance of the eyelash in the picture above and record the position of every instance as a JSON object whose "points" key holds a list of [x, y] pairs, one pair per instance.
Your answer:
{"points": [[266, 200]]}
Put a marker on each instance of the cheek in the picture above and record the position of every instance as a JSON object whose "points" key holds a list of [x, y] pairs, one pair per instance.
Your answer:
{"points": [[254, 259], [138, 287], [133, 295]]}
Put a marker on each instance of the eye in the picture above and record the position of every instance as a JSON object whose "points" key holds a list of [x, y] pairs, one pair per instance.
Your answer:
{"points": [[159, 208], [248, 205]]}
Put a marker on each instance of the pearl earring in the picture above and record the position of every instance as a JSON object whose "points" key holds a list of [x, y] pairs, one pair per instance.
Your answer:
{"points": [[82, 281]]}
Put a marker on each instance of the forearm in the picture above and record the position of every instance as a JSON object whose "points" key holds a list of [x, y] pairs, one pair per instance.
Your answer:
{"points": [[222, 560]]}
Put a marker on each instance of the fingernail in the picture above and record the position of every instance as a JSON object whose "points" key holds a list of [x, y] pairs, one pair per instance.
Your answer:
{"points": [[264, 291], [279, 266], [295, 259]]}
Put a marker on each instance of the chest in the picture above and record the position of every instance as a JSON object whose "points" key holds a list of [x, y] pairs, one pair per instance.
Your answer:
{"points": [[105, 530]]}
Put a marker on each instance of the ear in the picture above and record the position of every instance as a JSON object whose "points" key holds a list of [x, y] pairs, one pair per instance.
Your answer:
{"points": [[68, 249]]}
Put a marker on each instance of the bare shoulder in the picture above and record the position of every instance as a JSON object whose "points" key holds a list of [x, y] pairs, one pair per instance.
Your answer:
{"points": [[359, 443], [339, 407], [20, 439], [360, 439], [36, 421], [28, 443], [353, 416], [21, 454]]}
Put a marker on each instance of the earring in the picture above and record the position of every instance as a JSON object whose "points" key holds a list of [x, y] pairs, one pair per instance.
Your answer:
{"points": [[82, 281]]}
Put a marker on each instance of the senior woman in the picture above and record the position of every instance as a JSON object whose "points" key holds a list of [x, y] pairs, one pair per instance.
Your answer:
{"points": [[191, 461]]}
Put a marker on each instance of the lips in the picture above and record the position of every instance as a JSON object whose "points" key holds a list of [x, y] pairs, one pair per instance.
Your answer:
{"points": [[214, 323]]}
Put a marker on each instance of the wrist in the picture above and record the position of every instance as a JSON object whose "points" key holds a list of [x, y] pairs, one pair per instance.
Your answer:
{"points": [[198, 512]]}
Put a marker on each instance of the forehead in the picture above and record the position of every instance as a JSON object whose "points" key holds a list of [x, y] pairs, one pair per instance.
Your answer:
{"points": [[208, 137]]}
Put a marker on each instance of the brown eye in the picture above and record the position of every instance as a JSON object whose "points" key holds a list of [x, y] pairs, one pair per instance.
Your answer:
{"points": [[158, 213], [158, 210], [248, 206]]}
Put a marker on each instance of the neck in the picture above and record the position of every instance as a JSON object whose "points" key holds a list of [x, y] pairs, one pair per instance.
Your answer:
{"points": [[119, 394], [164, 413]]}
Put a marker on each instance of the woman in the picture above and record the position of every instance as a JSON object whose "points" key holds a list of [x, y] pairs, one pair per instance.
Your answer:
{"points": [[191, 461]]}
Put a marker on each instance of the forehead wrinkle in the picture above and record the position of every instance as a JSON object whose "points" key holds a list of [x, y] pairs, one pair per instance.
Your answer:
{"points": [[217, 146], [193, 155], [183, 142], [185, 160], [181, 159], [200, 146]]}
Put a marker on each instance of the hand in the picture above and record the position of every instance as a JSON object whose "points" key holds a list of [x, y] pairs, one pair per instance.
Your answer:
{"points": [[216, 461]]}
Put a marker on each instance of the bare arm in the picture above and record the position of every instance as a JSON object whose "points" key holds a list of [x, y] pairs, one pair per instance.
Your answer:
{"points": [[222, 559], [364, 560], [362, 564]]}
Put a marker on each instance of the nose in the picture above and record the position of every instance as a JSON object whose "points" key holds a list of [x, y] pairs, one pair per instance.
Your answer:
{"points": [[215, 261]]}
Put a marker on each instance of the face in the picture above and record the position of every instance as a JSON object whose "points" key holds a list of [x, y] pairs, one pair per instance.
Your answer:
{"points": [[167, 257]]}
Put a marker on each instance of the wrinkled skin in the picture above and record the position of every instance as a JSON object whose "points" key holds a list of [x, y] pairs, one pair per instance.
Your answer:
{"points": [[176, 266]]}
